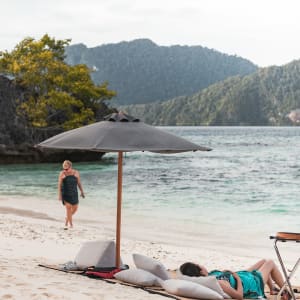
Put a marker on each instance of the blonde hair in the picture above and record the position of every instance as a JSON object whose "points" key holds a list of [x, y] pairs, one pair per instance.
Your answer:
{"points": [[67, 163]]}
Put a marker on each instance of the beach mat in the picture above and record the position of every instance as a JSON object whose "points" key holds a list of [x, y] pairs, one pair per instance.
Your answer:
{"points": [[152, 290], [57, 268]]}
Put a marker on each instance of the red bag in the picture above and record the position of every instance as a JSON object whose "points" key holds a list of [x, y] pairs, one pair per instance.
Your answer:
{"points": [[102, 274]]}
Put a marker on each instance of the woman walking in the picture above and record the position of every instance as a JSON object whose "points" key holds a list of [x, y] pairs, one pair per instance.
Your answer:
{"points": [[68, 181]]}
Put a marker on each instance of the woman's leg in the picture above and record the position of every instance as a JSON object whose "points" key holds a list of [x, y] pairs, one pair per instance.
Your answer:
{"points": [[69, 214], [270, 269], [257, 266], [73, 211], [66, 219]]}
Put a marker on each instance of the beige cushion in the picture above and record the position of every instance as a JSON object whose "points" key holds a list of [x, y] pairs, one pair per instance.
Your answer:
{"points": [[96, 254], [151, 265], [190, 289], [137, 276], [208, 281]]}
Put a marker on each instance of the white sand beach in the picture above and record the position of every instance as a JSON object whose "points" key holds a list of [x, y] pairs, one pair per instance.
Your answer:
{"points": [[31, 232]]}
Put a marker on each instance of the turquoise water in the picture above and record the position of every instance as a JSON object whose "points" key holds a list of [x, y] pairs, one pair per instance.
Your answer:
{"points": [[248, 182]]}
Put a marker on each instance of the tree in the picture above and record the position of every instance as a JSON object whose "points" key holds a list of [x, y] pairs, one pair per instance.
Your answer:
{"points": [[57, 95]]}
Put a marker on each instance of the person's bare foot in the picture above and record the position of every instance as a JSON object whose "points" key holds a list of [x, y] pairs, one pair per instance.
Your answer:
{"points": [[274, 291], [286, 295]]}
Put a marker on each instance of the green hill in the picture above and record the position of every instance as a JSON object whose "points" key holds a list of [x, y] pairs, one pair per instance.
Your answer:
{"points": [[265, 97], [141, 71]]}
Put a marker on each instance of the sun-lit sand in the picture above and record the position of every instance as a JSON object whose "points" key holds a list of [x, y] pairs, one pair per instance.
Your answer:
{"points": [[32, 233]]}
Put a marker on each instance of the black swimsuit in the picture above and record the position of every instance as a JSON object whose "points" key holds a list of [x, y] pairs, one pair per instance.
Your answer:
{"points": [[69, 189]]}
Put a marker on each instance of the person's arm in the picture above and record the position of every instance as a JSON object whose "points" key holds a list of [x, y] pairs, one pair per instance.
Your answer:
{"points": [[233, 293], [79, 184], [60, 178]]}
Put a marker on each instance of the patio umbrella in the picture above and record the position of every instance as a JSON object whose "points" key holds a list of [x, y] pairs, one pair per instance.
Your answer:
{"points": [[120, 133]]}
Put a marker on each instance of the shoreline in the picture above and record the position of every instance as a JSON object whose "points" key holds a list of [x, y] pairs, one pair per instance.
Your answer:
{"points": [[32, 233]]}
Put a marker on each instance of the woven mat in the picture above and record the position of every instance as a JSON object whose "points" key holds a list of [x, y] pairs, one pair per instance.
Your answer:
{"points": [[151, 290]]}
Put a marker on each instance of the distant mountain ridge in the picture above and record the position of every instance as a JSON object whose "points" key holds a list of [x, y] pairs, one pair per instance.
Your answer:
{"points": [[268, 97], [141, 71]]}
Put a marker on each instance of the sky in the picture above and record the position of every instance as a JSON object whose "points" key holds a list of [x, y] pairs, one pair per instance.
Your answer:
{"points": [[264, 31]]}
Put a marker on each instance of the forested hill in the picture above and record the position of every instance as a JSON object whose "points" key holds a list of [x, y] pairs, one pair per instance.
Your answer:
{"points": [[141, 71], [271, 96]]}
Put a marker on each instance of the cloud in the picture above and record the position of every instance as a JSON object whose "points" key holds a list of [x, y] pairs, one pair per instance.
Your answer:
{"points": [[262, 31]]}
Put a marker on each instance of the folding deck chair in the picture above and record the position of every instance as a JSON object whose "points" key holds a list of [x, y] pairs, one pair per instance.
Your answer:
{"points": [[288, 274]]}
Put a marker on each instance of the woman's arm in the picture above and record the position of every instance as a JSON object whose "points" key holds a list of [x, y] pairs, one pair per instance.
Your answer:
{"points": [[233, 293], [59, 185]]}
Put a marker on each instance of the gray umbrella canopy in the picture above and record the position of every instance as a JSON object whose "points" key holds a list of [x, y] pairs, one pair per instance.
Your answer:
{"points": [[120, 133]]}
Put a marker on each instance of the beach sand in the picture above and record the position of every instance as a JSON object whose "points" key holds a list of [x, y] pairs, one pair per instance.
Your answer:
{"points": [[31, 232]]}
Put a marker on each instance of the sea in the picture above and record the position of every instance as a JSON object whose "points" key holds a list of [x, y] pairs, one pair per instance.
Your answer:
{"points": [[248, 185]]}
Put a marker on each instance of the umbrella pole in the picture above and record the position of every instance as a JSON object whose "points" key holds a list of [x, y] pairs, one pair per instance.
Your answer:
{"points": [[119, 206]]}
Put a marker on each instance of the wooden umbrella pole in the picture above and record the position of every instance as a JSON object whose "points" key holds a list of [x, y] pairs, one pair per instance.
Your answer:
{"points": [[119, 208]]}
